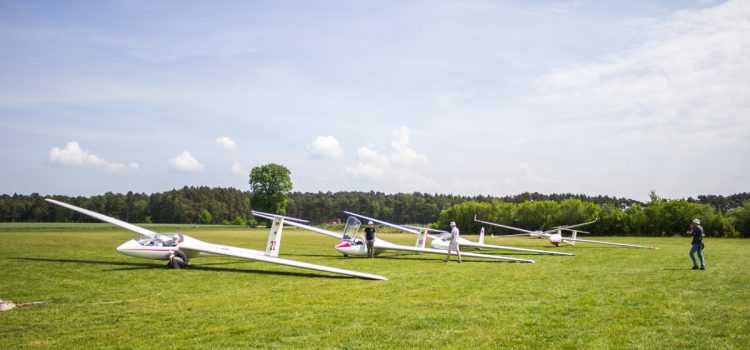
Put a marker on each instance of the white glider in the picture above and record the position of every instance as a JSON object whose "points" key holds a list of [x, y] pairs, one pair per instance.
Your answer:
{"points": [[442, 241], [555, 235], [159, 246]]}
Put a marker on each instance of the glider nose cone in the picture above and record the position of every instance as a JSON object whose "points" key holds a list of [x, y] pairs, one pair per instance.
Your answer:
{"points": [[122, 248], [128, 247]]}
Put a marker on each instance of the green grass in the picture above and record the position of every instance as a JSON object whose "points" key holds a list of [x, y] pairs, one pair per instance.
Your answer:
{"points": [[604, 297]]}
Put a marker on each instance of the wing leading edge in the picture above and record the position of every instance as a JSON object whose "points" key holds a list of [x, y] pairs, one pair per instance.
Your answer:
{"points": [[607, 243], [105, 218], [399, 247], [252, 255], [490, 246]]}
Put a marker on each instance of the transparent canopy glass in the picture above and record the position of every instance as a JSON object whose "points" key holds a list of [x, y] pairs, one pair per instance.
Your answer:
{"points": [[351, 227]]}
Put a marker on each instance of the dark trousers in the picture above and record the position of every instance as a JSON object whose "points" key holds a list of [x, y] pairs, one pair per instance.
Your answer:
{"points": [[370, 248]]}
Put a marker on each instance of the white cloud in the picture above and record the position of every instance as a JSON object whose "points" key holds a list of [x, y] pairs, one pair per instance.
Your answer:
{"points": [[370, 164], [324, 147], [400, 144], [238, 169], [368, 155], [73, 154], [227, 143], [398, 169], [185, 162]]}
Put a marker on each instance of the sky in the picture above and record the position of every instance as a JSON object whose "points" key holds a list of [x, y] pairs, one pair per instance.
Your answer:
{"points": [[494, 98]]}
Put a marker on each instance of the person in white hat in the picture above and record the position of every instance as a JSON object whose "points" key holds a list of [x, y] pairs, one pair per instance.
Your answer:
{"points": [[370, 239], [697, 244], [454, 243]]}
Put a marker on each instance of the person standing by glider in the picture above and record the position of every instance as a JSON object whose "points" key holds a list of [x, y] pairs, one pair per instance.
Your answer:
{"points": [[697, 244], [454, 243], [370, 239]]}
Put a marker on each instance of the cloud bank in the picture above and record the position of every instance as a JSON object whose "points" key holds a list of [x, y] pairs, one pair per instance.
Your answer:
{"points": [[691, 77]]}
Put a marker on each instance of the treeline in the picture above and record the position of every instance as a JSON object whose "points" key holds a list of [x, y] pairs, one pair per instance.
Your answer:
{"points": [[189, 205], [722, 216], [659, 217], [207, 205], [419, 208]]}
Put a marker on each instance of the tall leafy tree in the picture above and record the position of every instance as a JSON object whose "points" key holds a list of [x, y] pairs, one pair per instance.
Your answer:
{"points": [[270, 185]]}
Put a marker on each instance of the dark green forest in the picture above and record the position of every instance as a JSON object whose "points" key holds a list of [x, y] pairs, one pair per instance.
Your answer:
{"points": [[722, 216]]}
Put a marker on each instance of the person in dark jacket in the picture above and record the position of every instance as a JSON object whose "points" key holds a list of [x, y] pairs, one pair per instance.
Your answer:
{"points": [[177, 260], [370, 239], [697, 244]]}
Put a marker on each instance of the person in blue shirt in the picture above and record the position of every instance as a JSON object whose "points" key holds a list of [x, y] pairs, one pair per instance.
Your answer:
{"points": [[697, 244], [370, 240]]}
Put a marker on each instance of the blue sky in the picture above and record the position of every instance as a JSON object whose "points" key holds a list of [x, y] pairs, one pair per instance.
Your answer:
{"points": [[465, 97]]}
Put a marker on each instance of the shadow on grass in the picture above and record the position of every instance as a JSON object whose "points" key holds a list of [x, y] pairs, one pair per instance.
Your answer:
{"points": [[203, 267], [94, 262]]}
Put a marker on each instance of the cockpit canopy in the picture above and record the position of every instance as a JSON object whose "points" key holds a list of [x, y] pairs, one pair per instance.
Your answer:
{"points": [[351, 227], [161, 240]]}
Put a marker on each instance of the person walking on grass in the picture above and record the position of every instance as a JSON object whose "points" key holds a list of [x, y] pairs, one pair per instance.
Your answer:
{"points": [[697, 244], [370, 239], [454, 243]]}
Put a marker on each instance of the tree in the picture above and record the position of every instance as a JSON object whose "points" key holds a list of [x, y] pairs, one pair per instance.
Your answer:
{"points": [[270, 185], [741, 219], [205, 217]]}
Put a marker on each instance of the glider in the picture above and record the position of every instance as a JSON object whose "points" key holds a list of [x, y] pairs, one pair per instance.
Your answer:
{"points": [[555, 235], [442, 241], [159, 246]]}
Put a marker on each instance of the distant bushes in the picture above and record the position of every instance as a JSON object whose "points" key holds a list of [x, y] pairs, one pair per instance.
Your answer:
{"points": [[657, 218]]}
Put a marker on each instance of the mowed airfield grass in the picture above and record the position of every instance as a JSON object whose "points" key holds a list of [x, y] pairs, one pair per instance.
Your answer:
{"points": [[602, 298]]}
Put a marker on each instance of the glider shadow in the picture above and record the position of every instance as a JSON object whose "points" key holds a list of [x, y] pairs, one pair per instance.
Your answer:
{"points": [[202, 267]]}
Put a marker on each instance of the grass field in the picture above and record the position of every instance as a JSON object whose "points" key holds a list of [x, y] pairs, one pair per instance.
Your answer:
{"points": [[603, 298]]}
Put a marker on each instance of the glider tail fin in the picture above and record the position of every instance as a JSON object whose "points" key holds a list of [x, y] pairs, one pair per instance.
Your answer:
{"points": [[274, 237], [481, 235], [421, 238], [573, 240], [575, 233]]}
